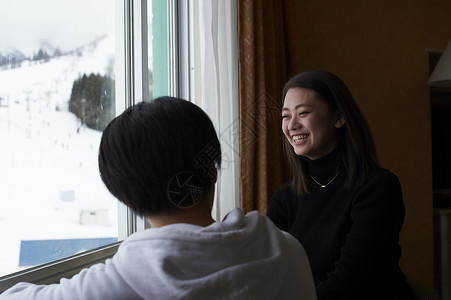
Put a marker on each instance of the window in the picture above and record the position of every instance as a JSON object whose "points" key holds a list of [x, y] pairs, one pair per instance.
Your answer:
{"points": [[62, 82], [57, 95], [131, 51]]}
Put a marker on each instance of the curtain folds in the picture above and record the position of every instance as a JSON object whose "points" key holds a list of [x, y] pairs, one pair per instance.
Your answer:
{"points": [[262, 73], [217, 72]]}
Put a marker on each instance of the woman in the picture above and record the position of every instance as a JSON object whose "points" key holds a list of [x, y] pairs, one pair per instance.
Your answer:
{"points": [[341, 205]]}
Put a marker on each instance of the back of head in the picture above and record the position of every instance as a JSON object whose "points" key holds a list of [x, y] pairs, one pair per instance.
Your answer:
{"points": [[160, 156]]}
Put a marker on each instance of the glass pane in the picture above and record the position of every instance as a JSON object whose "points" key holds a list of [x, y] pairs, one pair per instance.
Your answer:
{"points": [[56, 96], [158, 52]]}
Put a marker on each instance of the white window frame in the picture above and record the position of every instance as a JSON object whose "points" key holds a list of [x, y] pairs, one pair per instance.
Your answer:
{"points": [[131, 33]]}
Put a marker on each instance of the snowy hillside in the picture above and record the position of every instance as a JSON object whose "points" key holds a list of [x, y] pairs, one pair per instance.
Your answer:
{"points": [[49, 182]]}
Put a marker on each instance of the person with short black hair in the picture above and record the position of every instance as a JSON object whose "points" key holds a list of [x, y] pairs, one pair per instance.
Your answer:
{"points": [[161, 159], [340, 204]]}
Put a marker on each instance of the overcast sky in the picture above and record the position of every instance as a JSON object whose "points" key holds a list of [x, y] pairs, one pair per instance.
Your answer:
{"points": [[25, 24]]}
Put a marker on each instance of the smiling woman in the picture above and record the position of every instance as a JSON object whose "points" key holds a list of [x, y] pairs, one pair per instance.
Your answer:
{"points": [[341, 205]]}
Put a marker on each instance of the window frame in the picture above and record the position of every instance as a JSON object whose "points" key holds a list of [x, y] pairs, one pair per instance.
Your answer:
{"points": [[53, 271]]}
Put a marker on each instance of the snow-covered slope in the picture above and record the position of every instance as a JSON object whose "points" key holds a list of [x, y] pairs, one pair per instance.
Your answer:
{"points": [[48, 172]]}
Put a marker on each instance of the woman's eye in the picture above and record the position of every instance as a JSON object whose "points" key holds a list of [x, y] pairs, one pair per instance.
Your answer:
{"points": [[284, 117], [303, 113]]}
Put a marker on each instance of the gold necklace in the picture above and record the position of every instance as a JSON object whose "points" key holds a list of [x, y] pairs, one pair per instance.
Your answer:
{"points": [[324, 185]]}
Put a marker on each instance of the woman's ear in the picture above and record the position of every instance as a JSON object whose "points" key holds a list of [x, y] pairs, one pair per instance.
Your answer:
{"points": [[340, 121]]}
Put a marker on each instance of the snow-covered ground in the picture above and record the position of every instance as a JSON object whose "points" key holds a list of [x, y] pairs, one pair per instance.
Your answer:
{"points": [[48, 172]]}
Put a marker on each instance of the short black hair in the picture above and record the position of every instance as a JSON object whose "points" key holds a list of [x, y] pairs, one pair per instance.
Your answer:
{"points": [[152, 144]]}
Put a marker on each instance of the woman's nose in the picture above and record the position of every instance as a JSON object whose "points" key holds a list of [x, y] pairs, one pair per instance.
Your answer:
{"points": [[294, 124]]}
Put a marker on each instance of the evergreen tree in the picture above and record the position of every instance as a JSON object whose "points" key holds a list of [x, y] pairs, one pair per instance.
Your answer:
{"points": [[92, 100], [42, 55]]}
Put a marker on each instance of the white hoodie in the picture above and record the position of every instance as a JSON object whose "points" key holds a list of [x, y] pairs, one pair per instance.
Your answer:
{"points": [[242, 257]]}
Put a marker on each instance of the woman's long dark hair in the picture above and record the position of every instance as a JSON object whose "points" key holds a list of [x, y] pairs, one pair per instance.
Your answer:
{"points": [[358, 152]]}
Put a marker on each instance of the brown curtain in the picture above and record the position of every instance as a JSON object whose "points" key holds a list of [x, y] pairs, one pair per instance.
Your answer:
{"points": [[263, 70]]}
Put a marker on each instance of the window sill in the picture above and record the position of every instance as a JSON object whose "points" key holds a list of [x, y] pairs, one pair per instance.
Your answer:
{"points": [[64, 268]]}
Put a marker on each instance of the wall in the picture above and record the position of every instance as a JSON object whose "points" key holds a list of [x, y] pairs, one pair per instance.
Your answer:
{"points": [[379, 49]]}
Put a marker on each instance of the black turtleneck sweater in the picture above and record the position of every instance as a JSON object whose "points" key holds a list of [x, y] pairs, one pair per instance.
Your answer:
{"points": [[351, 236]]}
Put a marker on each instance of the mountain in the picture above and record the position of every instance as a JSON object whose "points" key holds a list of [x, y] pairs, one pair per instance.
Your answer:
{"points": [[11, 57], [47, 47]]}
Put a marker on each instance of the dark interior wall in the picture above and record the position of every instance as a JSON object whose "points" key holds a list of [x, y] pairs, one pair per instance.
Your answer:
{"points": [[379, 49]]}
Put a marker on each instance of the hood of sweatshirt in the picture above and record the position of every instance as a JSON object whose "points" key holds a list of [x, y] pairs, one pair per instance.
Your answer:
{"points": [[242, 257]]}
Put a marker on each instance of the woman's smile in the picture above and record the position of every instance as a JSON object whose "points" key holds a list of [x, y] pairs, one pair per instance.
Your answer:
{"points": [[298, 139]]}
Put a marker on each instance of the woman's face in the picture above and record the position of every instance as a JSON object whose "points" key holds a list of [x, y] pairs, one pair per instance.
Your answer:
{"points": [[308, 123]]}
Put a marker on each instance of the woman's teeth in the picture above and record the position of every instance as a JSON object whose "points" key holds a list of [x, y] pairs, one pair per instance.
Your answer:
{"points": [[298, 138]]}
